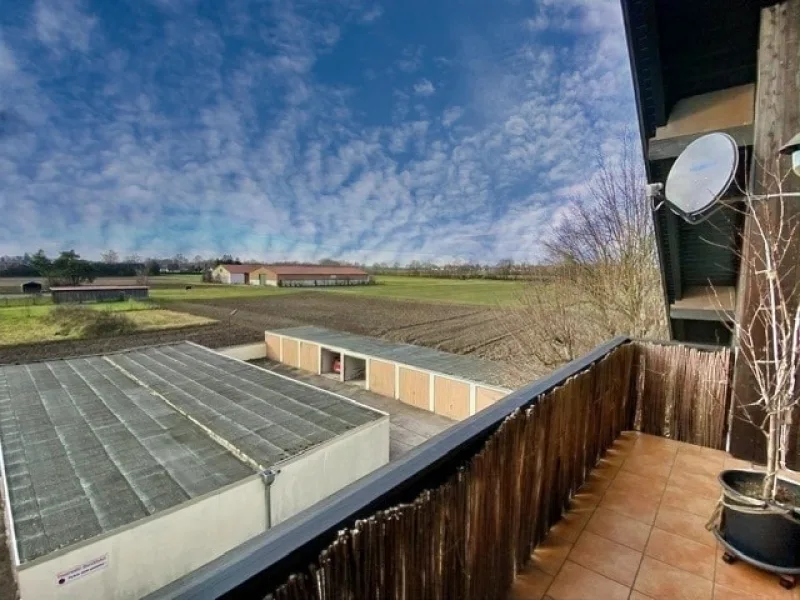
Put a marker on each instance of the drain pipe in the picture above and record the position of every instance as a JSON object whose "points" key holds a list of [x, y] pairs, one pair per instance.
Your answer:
{"points": [[268, 477]]}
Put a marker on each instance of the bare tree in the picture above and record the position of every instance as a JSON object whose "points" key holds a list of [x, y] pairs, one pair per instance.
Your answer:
{"points": [[110, 257], [606, 245], [767, 332], [605, 270], [547, 329]]}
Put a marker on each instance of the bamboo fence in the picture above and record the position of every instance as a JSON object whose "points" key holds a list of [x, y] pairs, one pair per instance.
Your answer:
{"points": [[682, 393]]}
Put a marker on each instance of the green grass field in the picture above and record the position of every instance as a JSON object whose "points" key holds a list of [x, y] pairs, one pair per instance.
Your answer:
{"points": [[470, 291], [209, 291], [27, 324], [170, 288]]}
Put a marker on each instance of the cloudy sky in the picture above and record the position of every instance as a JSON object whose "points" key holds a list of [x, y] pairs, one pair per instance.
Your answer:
{"points": [[397, 130]]}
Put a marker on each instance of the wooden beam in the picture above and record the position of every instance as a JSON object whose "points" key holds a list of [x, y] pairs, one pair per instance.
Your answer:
{"points": [[777, 119], [700, 314], [673, 241], [661, 149]]}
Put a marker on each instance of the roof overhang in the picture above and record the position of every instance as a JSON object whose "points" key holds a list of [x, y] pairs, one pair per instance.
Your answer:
{"points": [[693, 64]]}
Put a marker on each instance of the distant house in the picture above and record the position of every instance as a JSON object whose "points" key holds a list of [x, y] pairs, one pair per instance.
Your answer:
{"points": [[308, 276], [233, 273], [98, 293], [32, 287]]}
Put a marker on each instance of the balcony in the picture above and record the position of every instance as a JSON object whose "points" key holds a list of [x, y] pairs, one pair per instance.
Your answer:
{"points": [[595, 482], [637, 529]]}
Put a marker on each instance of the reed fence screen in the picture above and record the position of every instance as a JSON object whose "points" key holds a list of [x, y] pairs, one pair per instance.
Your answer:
{"points": [[682, 393]]}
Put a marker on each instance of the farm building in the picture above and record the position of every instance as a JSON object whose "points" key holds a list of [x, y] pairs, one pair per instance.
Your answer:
{"points": [[290, 275], [451, 385], [233, 273], [126, 471], [98, 293], [308, 276], [31, 287]]}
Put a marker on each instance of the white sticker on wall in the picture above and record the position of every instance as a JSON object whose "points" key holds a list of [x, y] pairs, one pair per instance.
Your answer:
{"points": [[87, 568]]}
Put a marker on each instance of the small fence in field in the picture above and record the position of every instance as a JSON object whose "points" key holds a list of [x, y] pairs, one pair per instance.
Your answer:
{"points": [[7, 300]]}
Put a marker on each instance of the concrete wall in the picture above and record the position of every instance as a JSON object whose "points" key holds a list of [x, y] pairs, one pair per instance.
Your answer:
{"points": [[354, 368], [313, 476], [151, 553], [273, 343], [327, 357], [245, 351]]}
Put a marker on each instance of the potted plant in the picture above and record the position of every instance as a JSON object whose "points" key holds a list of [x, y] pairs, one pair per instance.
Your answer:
{"points": [[760, 516]]}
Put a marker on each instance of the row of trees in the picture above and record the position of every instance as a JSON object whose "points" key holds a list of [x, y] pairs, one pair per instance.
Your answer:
{"points": [[112, 265], [503, 269], [68, 268]]}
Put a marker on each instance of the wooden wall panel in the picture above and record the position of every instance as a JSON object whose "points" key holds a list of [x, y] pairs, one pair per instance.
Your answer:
{"points": [[720, 109], [291, 352], [485, 397], [415, 388], [309, 357], [273, 347], [381, 378], [451, 398]]}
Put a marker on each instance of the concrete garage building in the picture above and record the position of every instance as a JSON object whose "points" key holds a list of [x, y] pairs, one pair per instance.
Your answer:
{"points": [[126, 471], [451, 385]]}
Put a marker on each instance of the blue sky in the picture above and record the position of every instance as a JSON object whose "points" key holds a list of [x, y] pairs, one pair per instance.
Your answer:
{"points": [[371, 131]]}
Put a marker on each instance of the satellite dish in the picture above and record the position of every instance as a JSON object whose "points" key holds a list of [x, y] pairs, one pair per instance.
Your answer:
{"points": [[701, 175]]}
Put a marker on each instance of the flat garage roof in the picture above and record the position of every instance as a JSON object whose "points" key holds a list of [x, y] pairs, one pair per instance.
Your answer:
{"points": [[92, 444], [469, 368]]}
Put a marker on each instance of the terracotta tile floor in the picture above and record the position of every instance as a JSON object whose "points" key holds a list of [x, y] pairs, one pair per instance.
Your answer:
{"points": [[636, 530]]}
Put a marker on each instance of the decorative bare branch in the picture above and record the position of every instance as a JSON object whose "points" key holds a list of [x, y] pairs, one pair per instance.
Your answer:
{"points": [[768, 332]]}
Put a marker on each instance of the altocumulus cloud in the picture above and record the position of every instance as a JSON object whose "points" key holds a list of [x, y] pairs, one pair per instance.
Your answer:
{"points": [[371, 132]]}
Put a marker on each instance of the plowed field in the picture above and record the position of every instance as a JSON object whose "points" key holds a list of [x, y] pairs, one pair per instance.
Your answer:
{"points": [[454, 328]]}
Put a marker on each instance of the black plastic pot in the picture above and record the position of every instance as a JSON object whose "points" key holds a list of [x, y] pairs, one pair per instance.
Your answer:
{"points": [[764, 534]]}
